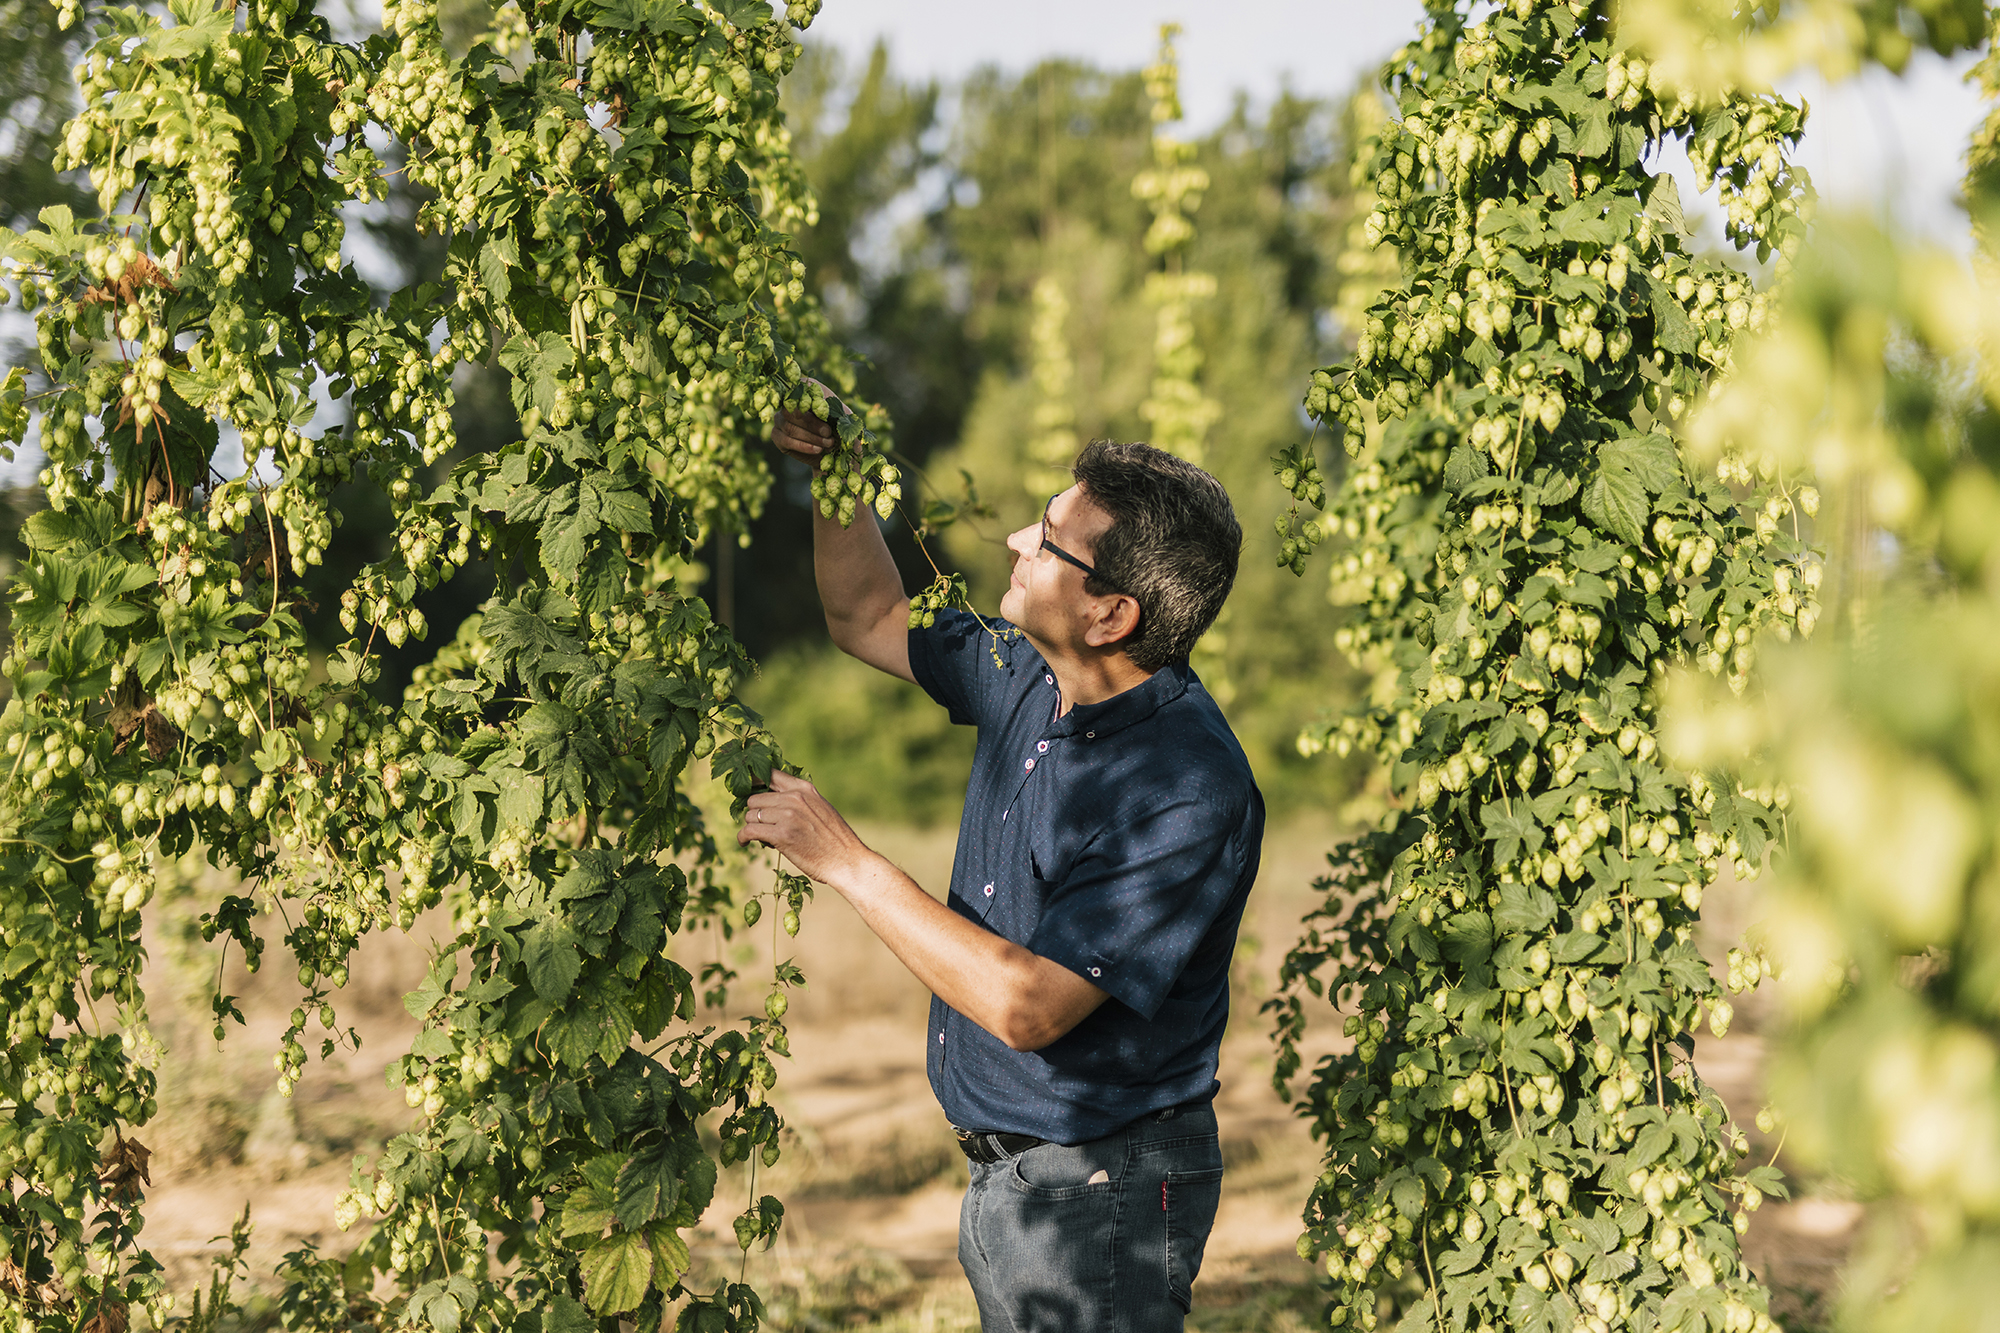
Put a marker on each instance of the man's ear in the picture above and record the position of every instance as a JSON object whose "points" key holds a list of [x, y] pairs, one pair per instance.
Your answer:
{"points": [[1117, 619]]}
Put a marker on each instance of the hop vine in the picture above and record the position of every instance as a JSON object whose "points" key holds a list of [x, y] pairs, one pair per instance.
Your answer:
{"points": [[1053, 445], [1517, 1137], [615, 186]]}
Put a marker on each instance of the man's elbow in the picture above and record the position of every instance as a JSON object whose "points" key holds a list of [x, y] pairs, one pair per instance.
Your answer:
{"points": [[845, 634], [1029, 1022], [1030, 1032], [854, 634]]}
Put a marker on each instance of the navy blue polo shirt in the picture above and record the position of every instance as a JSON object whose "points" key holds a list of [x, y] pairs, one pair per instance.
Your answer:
{"points": [[1119, 840]]}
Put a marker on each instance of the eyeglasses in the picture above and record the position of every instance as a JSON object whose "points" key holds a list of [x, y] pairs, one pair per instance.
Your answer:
{"points": [[1066, 557]]}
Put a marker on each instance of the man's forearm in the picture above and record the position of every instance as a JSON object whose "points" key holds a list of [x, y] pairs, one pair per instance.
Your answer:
{"points": [[859, 583], [1024, 1000]]}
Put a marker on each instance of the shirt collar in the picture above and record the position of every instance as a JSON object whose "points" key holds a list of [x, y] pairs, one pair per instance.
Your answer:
{"points": [[1095, 721]]}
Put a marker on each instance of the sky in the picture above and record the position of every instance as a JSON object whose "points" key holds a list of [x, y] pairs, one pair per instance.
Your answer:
{"points": [[1883, 144]]}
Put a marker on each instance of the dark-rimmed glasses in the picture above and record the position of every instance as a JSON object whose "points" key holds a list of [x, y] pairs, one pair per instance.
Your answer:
{"points": [[1066, 557]]}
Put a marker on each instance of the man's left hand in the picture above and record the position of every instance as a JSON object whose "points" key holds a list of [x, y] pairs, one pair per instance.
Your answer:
{"points": [[795, 820]]}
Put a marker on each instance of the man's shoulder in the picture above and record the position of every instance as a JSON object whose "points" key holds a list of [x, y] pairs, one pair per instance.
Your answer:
{"points": [[1194, 722], [978, 642], [1188, 756], [975, 666]]}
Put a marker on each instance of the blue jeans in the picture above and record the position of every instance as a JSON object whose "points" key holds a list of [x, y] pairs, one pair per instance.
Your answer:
{"points": [[1048, 1251]]}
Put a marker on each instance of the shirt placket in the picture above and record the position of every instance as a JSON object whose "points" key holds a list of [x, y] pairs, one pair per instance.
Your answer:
{"points": [[1039, 753], [1029, 766]]}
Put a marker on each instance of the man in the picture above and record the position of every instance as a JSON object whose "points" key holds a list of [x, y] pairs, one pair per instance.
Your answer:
{"points": [[1080, 971]]}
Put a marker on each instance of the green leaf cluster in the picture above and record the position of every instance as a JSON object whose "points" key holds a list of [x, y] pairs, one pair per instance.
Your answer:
{"points": [[1516, 1137], [612, 186]]}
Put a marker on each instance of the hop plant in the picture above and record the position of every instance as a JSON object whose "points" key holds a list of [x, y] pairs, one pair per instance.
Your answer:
{"points": [[1516, 1133], [619, 244], [946, 592]]}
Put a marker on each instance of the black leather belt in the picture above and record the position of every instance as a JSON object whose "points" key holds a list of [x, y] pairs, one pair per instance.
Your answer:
{"points": [[985, 1148], [991, 1147]]}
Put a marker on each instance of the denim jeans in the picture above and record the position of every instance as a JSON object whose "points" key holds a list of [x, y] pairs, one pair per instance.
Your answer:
{"points": [[1048, 1251]]}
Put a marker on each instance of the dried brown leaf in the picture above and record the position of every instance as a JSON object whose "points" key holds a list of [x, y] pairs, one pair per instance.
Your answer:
{"points": [[126, 1170], [161, 735], [111, 1317]]}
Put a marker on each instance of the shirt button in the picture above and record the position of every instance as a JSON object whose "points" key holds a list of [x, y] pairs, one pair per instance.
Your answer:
{"points": [[1095, 972], [940, 1038], [1090, 735], [1031, 766], [1041, 747], [1048, 680], [989, 890]]}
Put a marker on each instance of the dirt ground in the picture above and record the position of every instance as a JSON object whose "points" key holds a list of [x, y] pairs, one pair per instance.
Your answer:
{"points": [[871, 1177]]}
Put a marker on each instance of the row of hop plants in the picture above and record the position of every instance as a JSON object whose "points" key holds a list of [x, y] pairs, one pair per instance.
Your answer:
{"points": [[1583, 532], [615, 192]]}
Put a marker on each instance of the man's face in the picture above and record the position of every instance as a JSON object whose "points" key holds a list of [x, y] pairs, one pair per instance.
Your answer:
{"points": [[1045, 597]]}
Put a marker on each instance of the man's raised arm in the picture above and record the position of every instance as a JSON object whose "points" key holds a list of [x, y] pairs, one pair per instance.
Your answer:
{"points": [[867, 611]]}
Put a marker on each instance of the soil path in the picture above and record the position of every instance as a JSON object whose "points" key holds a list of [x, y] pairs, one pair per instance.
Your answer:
{"points": [[871, 1175]]}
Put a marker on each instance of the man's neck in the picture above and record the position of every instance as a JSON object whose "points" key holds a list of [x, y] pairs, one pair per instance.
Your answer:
{"points": [[1094, 679]]}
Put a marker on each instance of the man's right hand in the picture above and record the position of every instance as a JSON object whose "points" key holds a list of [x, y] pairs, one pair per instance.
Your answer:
{"points": [[802, 435]]}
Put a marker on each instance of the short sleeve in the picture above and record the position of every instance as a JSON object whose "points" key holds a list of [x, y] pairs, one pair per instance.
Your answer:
{"points": [[1138, 903], [954, 662]]}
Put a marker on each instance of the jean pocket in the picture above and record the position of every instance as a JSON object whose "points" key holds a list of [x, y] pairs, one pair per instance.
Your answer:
{"points": [[1056, 1171], [1189, 1199]]}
